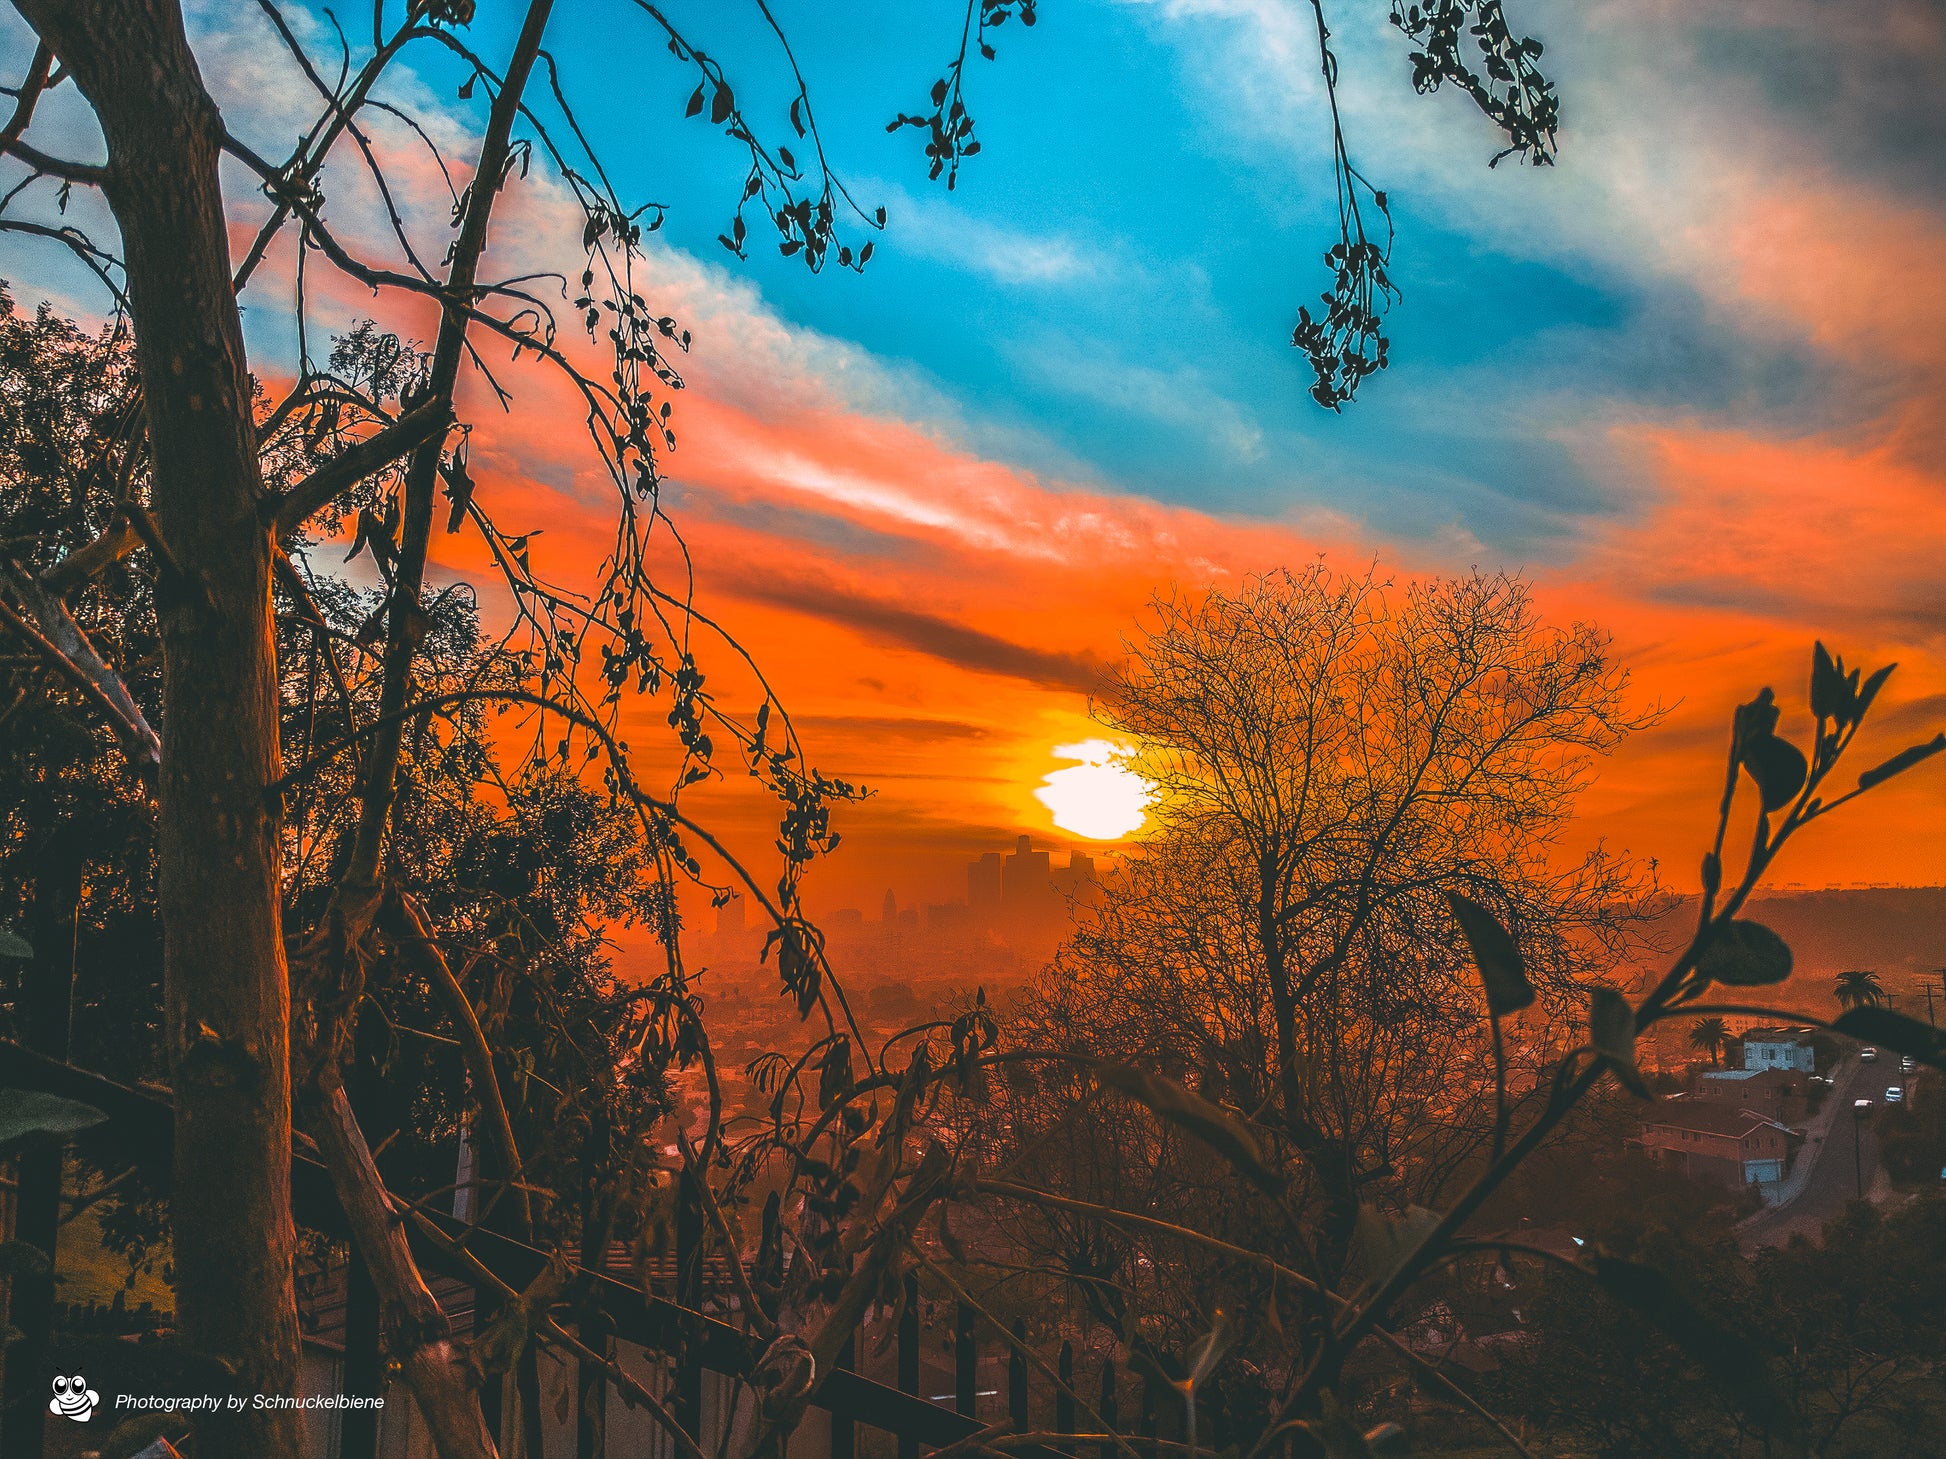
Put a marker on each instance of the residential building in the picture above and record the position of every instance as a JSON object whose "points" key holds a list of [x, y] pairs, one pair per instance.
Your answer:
{"points": [[1718, 1143], [1778, 1048], [1782, 1094]]}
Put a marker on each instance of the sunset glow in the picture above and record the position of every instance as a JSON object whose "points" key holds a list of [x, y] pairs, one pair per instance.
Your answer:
{"points": [[1688, 381], [1099, 796]]}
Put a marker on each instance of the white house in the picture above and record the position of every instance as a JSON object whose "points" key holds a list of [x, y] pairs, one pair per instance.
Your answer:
{"points": [[1777, 1048]]}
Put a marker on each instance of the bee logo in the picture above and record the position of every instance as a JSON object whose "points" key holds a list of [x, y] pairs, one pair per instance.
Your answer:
{"points": [[74, 1399]]}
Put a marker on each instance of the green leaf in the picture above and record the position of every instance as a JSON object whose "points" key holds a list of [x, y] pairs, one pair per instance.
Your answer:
{"points": [[1210, 1349], [1717, 1350], [1611, 1029], [1338, 1437], [1746, 955], [13, 945], [1830, 695], [1894, 1031], [1385, 1243], [1755, 720], [1902, 762], [24, 1259], [27, 1114], [1215, 1126], [1863, 700], [1501, 970], [1777, 766], [504, 1338]]}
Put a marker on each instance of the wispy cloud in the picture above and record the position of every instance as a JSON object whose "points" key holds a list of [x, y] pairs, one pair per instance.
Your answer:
{"points": [[954, 234], [1180, 398]]}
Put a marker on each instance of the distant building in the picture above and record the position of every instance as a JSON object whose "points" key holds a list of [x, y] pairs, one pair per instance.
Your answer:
{"points": [[1718, 1143], [1026, 882], [889, 908], [1782, 1094], [984, 880], [1778, 1048], [845, 920], [947, 916], [730, 916]]}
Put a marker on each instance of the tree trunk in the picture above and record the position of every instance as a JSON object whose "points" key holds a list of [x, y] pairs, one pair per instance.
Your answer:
{"points": [[227, 1002], [416, 1333]]}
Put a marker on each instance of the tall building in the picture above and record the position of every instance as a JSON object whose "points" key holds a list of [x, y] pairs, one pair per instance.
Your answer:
{"points": [[730, 916], [1026, 882], [983, 887], [1078, 883], [889, 909]]}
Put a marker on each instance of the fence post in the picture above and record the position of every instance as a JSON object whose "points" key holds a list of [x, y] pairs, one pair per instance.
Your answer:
{"points": [[591, 1389], [46, 1017], [689, 1295], [1064, 1395], [842, 1432], [363, 1373], [909, 1355], [965, 1365], [37, 1222], [1017, 1377], [1109, 1417]]}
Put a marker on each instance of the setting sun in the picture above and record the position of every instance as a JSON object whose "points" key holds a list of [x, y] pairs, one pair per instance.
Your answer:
{"points": [[1099, 797]]}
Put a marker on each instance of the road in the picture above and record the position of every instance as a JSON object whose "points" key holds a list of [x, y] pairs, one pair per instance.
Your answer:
{"points": [[1834, 1178]]}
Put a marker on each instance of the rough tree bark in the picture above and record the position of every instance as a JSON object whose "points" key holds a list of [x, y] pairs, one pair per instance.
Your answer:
{"points": [[227, 999]]}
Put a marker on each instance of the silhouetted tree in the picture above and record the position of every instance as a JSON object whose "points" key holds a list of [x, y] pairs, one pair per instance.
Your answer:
{"points": [[1331, 758], [1858, 989], [1710, 1036], [1143, 1161]]}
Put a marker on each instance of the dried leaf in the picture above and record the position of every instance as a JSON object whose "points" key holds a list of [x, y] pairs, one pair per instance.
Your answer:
{"points": [[1215, 1126], [1502, 971]]}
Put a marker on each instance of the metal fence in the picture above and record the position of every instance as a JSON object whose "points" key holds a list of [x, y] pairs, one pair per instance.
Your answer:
{"points": [[670, 1342]]}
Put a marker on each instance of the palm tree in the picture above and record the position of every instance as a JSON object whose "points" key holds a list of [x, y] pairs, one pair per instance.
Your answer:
{"points": [[1711, 1036], [1859, 989]]}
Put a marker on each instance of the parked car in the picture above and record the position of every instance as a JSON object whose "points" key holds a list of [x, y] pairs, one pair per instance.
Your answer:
{"points": [[1908, 1064], [1894, 1094], [1868, 1056]]}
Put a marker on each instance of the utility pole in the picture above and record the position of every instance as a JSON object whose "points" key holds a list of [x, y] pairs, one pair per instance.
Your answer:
{"points": [[1857, 1139]]}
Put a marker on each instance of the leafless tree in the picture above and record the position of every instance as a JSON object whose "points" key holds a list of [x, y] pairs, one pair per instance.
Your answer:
{"points": [[1334, 757]]}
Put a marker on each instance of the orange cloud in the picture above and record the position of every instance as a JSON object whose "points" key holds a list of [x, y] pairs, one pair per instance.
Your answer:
{"points": [[1856, 270]]}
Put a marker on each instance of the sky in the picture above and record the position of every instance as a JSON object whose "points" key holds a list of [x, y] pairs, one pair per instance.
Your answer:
{"points": [[1689, 382]]}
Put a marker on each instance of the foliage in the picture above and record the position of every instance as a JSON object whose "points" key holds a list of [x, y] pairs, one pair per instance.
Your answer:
{"points": [[1858, 989], [1842, 1327], [76, 832], [1710, 1036], [1912, 1135], [1159, 1227], [1345, 342]]}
